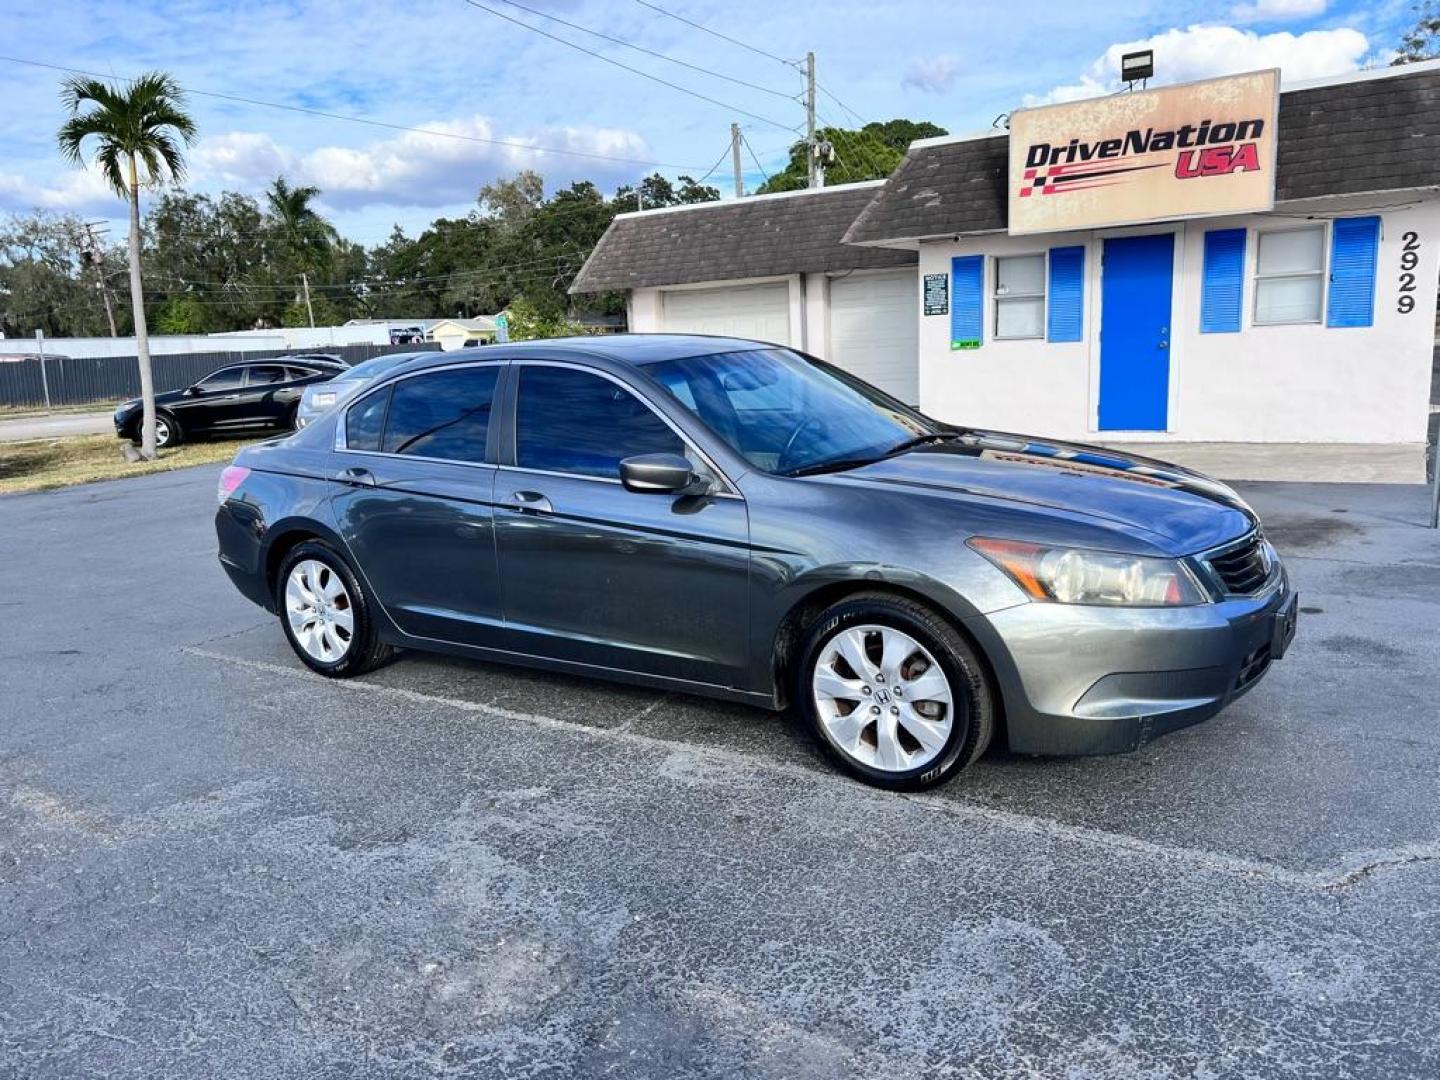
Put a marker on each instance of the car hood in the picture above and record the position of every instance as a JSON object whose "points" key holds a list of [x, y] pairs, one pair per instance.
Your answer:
{"points": [[167, 398], [1152, 500]]}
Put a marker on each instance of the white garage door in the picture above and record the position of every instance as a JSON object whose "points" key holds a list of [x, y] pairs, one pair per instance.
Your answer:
{"points": [[873, 330], [761, 312]]}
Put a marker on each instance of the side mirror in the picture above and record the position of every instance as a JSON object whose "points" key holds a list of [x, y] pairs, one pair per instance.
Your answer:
{"points": [[193, 391], [658, 474]]}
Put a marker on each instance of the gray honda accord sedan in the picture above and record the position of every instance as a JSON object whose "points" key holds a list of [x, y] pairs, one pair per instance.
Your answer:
{"points": [[733, 518]]}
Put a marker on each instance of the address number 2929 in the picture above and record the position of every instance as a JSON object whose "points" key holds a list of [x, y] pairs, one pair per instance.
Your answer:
{"points": [[1409, 260]]}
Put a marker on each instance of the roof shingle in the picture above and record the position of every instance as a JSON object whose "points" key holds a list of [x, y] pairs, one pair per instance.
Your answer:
{"points": [[746, 238]]}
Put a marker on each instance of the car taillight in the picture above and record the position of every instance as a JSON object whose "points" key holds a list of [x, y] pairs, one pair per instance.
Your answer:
{"points": [[231, 477]]}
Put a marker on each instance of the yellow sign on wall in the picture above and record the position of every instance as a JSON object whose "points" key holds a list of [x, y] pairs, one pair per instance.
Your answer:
{"points": [[1194, 150]]}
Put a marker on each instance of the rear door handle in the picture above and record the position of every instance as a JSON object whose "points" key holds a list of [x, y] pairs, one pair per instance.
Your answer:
{"points": [[528, 501], [356, 475]]}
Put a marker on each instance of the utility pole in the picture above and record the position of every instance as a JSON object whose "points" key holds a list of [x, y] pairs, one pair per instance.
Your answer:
{"points": [[95, 256], [735, 160], [810, 148], [305, 283]]}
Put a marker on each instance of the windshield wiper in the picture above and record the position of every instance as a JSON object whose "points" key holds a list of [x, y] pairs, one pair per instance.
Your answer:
{"points": [[921, 440], [835, 465], [841, 464]]}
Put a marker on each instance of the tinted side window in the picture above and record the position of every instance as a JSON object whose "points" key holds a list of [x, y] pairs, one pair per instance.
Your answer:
{"points": [[266, 374], [571, 421], [298, 373], [365, 421], [442, 415], [224, 379]]}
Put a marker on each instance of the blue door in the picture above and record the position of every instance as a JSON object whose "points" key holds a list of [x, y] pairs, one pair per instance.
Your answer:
{"points": [[1135, 332]]}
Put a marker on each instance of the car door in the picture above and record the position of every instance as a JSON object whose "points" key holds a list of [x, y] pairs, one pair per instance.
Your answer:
{"points": [[267, 396], [211, 404], [414, 501], [595, 574]]}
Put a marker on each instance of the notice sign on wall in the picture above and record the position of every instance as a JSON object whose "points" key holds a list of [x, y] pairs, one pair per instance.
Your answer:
{"points": [[937, 294], [1195, 150]]}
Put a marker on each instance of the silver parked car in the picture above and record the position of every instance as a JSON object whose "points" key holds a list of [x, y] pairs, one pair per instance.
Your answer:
{"points": [[732, 518], [322, 396]]}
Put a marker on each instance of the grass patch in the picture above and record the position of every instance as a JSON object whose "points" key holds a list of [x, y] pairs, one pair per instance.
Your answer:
{"points": [[41, 464]]}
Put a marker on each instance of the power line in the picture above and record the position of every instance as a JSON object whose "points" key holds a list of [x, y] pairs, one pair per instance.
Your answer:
{"points": [[716, 33], [826, 91], [723, 155], [651, 52], [627, 67], [754, 158], [514, 143]]}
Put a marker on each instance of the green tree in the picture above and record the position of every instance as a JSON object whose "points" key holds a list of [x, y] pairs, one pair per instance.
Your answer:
{"points": [[181, 315], [868, 153], [1421, 41], [137, 124], [213, 252], [46, 281], [305, 238], [528, 323]]}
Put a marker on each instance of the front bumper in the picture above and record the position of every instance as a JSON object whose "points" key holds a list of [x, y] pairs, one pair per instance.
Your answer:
{"points": [[1097, 680]]}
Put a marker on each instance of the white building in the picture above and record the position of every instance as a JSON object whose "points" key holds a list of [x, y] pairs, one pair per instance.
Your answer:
{"points": [[1310, 321]]}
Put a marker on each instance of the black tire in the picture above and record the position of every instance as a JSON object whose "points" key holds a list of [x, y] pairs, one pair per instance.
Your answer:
{"points": [[972, 717], [366, 651], [164, 423]]}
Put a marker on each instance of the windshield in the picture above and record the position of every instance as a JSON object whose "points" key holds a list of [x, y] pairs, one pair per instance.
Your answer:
{"points": [[786, 414]]}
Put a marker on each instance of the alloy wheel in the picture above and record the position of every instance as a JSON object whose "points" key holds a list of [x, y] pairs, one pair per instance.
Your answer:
{"points": [[882, 698], [320, 612], [162, 431]]}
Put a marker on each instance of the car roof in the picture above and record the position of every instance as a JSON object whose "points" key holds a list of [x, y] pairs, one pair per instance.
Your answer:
{"points": [[636, 350]]}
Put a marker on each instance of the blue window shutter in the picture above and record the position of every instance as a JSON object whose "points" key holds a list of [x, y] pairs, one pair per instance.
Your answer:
{"points": [[967, 301], [1354, 253], [1222, 283], [1067, 294]]}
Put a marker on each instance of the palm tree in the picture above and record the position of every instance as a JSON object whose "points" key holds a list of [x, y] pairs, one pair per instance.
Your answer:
{"points": [[133, 125], [303, 233]]}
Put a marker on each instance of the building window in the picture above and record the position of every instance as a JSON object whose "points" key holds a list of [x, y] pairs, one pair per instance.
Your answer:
{"points": [[1020, 297], [1290, 276]]}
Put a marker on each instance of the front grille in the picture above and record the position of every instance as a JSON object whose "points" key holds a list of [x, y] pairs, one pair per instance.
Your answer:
{"points": [[1244, 568]]}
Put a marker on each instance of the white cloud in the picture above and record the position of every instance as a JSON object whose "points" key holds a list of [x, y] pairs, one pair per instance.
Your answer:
{"points": [[1201, 52], [1277, 10], [79, 191], [933, 74], [246, 158], [423, 169]]}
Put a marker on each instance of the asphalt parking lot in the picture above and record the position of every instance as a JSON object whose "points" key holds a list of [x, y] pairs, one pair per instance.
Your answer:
{"points": [[213, 863]]}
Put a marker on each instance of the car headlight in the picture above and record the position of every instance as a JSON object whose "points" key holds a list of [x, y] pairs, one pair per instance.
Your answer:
{"points": [[323, 401], [1076, 576]]}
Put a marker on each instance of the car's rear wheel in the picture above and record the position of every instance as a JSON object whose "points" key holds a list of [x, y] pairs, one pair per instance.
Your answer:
{"points": [[893, 692], [326, 614]]}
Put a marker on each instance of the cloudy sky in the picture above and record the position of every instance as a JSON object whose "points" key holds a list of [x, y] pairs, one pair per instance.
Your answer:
{"points": [[520, 99]]}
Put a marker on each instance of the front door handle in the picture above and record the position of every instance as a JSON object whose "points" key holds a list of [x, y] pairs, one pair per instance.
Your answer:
{"points": [[357, 475], [528, 501]]}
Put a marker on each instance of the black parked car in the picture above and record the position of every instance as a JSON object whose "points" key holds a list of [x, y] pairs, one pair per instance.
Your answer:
{"points": [[250, 396], [734, 518]]}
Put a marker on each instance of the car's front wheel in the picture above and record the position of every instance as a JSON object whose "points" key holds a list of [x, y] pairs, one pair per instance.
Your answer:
{"points": [[326, 614], [167, 431], [894, 693]]}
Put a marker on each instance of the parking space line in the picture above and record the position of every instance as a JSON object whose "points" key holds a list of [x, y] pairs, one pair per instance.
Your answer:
{"points": [[1345, 873]]}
